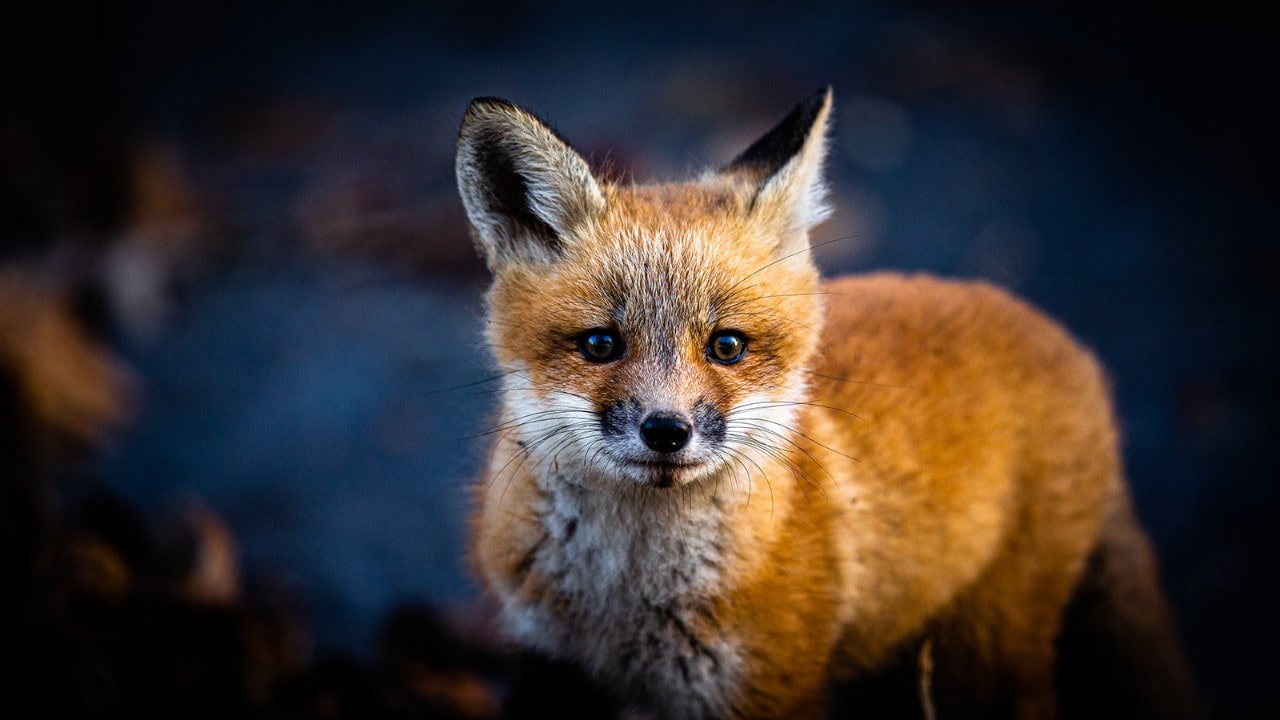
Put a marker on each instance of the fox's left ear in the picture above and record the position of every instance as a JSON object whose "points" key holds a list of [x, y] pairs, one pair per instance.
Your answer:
{"points": [[783, 169], [524, 189]]}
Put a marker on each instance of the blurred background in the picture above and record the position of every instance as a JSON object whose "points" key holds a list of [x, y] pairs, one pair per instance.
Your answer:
{"points": [[240, 312]]}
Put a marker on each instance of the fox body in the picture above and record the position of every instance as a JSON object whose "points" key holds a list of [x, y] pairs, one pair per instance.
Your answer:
{"points": [[719, 483]]}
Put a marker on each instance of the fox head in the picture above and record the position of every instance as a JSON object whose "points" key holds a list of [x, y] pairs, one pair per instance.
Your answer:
{"points": [[654, 334]]}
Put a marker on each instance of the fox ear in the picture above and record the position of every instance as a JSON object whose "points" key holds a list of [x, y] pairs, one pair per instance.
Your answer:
{"points": [[783, 169], [523, 187]]}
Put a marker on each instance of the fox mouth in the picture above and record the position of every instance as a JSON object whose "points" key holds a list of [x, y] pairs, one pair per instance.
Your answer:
{"points": [[662, 464], [661, 473]]}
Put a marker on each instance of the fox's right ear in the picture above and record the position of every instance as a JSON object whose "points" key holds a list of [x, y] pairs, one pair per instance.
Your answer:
{"points": [[523, 187], [783, 171]]}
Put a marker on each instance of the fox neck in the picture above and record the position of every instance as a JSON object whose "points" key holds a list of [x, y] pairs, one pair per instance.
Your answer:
{"points": [[635, 562]]}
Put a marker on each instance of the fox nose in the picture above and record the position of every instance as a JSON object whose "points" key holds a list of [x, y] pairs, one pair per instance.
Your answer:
{"points": [[665, 433]]}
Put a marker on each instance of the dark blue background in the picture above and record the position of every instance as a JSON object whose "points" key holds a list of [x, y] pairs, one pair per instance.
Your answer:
{"points": [[1110, 169]]}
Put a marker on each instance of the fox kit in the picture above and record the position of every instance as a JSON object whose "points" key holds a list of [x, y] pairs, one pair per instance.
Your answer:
{"points": [[720, 483]]}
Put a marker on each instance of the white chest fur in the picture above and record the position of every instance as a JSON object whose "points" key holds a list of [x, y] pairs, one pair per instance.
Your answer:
{"points": [[629, 576]]}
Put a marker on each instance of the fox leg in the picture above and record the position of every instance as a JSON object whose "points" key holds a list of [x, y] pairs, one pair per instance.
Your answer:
{"points": [[983, 671], [1121, 656], [996, 649]]}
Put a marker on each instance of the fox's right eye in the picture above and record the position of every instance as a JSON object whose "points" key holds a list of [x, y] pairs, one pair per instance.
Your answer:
{"points": [[600, 345]]}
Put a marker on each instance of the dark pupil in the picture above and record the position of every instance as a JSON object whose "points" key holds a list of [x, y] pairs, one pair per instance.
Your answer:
{"points": [[599, 345], [727, 347]]}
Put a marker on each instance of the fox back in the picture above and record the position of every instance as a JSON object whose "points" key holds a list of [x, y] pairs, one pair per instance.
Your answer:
{"points": [[719, 482]]}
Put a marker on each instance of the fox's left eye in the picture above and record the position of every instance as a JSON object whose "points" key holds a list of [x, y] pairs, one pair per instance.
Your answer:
{"points": [[727, 346], [600, 345]]}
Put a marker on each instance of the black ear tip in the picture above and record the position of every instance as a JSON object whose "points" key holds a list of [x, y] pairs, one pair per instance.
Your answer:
{"points": [[486, 102], [768, 154], [491, 100], [811, 105]]}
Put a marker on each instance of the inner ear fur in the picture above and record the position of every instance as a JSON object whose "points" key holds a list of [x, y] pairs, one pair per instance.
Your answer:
{"points": [[524, 188]]}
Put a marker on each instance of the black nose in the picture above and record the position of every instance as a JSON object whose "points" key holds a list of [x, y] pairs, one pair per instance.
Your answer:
{"points": [[665, 433]]}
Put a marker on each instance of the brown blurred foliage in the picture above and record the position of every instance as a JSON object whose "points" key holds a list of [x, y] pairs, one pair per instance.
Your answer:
{"points": [[106, 614]]}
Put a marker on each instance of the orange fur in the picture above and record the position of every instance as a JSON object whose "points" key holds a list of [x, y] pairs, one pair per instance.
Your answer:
{"points": [[938, 464]]}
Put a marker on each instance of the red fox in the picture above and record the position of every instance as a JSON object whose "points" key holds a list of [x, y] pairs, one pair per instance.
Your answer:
{"points": [[720, 483]]}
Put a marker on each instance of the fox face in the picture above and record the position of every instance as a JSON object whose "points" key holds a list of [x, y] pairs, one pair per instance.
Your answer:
{"points": [[654, 335]]}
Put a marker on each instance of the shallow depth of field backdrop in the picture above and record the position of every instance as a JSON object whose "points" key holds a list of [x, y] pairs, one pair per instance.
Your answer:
{"points": [[269, 196]]}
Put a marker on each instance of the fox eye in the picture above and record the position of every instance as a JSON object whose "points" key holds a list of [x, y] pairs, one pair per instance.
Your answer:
{"points": [[600, 345], [727, 346]]}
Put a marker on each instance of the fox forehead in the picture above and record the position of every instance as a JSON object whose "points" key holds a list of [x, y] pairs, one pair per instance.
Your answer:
{"points": [[678, 250]]}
